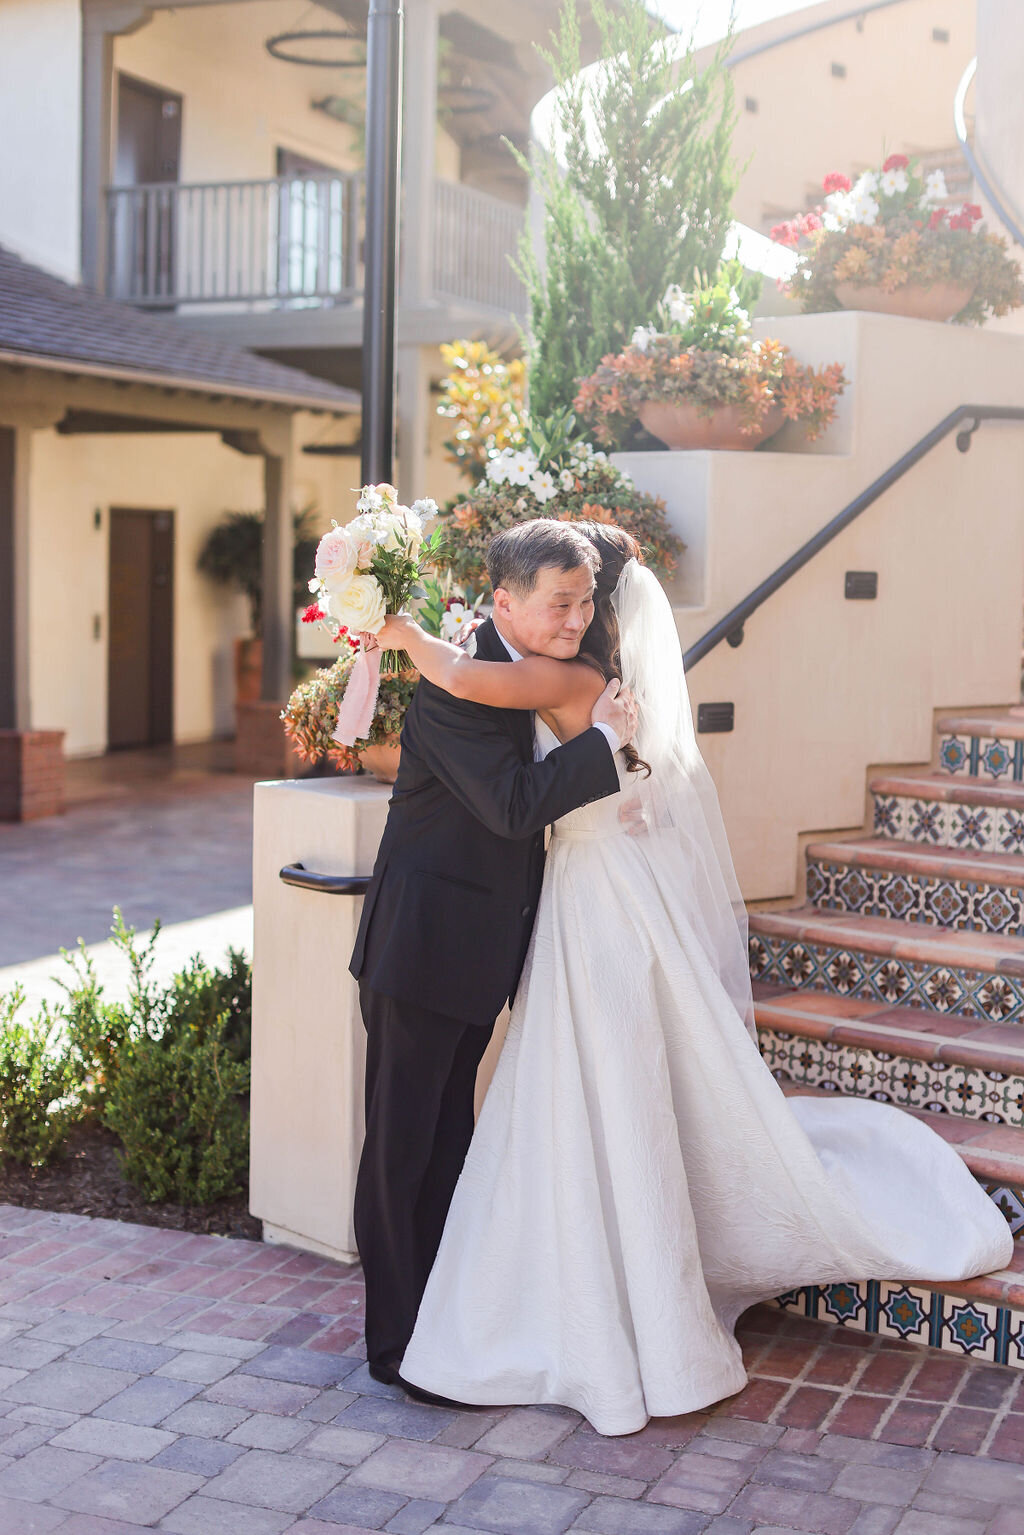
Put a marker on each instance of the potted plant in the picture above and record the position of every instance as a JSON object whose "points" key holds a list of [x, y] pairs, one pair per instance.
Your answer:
{"points": [[232, 555], [551, 472], [890, 243], [699, 380]]}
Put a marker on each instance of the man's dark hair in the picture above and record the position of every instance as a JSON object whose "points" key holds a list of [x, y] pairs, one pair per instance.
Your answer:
{"points": [[516, 556]]}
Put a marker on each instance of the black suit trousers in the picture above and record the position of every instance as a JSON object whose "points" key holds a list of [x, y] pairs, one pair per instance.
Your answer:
{"points": [[420, 1078]]}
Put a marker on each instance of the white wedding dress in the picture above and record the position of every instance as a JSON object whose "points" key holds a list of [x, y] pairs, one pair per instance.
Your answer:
{"points": [[637, 1178]]}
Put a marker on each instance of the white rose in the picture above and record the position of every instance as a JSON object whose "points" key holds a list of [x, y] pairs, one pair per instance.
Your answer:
{"points": [[359, 605], [335, 556]]}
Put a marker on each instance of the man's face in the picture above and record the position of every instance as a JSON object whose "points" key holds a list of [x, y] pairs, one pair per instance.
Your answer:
{"points": [[553, 619]]}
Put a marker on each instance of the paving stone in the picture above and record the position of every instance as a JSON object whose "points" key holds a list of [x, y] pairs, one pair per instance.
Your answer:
{"points": [[24, 1353], [268, 1431], [260, 1395], [301, 1365], [612, 1516], [121, 1441], [208, 1419], [725, 1524], [914, 1522], [728, 1449], [290, 1483], [148, 1401], [216, 1343], [328, 1405], [520, 1508], [706, 1483], [817, 1512], [878, 1484], [18, 1518], [523, 1433], [28, 1438], [1008, 1521], [365, 1508], [990, 1480], [344, 1446], [208, 1516], [69, 1328], [529, 1471], [363, 1382], [420, 1470], [466, 1428], [743, 1429], [417, 1516], [958, 1507], [803, 1472], [903, 1457], [612, 1486], [70, 1387], [119, 1354], [619, 1457], [123, 1489], [876, 1520], [203, 1457], [204, 1369], [405, 1420], [44, 1472]]}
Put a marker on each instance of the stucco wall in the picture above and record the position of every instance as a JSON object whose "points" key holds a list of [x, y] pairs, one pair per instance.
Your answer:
{"points": [[40, 114]]}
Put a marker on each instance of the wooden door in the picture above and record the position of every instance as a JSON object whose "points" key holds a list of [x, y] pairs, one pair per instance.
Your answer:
{"points": [[148, 151], [140, 667]]}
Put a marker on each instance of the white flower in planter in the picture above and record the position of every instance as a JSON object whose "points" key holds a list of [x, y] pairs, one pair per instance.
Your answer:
{"points": [[865, 208], [838, 210], [543, 486], [643, 336], [894, 181], [567, 479], [866, 184], [935, 188], [523, 465], [497, 467], [458, 622]]}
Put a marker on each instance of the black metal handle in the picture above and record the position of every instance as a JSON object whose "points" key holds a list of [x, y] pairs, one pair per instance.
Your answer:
{"points": [[331, 884]]}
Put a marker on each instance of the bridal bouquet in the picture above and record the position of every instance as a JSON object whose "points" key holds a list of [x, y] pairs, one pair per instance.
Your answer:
{"points": [[363, 571]]}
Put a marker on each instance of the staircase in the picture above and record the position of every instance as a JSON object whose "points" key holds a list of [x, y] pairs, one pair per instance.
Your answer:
{"points": [[902, 979]]}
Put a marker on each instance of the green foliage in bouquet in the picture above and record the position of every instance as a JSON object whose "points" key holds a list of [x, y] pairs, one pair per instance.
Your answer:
{"points": [[644, 192], [38, 1097], [554, 473]]}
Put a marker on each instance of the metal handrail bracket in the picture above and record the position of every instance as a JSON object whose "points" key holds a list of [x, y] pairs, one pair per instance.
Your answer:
{"points": [[731, 626]]}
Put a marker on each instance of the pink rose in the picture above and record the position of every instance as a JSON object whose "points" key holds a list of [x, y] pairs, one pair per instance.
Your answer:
{"points": [[335, 556]]}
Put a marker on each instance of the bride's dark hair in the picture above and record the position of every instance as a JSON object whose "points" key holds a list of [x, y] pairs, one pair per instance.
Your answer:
{"points": [[600, 645]]}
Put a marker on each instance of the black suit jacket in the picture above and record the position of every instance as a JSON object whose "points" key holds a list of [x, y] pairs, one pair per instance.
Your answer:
{"points": [[450, 907]]}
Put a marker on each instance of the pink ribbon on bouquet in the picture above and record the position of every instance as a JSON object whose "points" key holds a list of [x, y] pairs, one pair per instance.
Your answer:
{"points": [[355, 712]]}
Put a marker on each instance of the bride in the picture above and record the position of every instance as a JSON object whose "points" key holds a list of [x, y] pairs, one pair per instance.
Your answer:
{"points": [[637, 1178]]}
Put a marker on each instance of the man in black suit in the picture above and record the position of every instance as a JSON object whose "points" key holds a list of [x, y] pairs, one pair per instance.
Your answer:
{"points": [[450, 909]]}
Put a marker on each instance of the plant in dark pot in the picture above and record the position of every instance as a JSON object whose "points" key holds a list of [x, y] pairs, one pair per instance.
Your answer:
{"points": [[232, 555]]}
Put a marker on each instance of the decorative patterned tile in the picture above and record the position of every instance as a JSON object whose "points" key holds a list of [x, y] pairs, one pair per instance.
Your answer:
{"points": [[959, 992], [1010, 1199], [913, 896], [914, 1314], [987, 757], [932, 823], [969, 1092]]}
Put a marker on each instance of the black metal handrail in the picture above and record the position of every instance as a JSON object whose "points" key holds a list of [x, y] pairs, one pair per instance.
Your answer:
{"points": [[328, 884], [731, 626]]}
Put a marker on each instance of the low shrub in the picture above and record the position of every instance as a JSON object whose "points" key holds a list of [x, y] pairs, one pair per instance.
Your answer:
{"points": [[38, 1098]]}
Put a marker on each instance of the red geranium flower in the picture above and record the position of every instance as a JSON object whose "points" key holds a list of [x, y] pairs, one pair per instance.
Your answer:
{"points": [[786, 233], [973, 211], [938, 217], [896, 163], [835, 181], [313, 614]]}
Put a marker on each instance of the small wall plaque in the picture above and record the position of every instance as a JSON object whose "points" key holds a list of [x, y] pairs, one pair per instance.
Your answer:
{"points": [[715, 717], [861, 584]]}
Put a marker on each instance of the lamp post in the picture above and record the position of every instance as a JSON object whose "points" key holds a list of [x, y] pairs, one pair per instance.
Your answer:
{"points": [[383, 153]]}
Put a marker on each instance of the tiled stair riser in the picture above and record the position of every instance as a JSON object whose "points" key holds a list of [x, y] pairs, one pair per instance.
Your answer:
{"points": [[960, 904], [886, 978], [989, 757], [978, 1329], [936, 823], [858, 1072]]}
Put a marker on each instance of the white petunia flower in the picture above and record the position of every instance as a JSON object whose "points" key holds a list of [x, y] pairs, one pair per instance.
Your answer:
{"points": [[543, 486], [894, 181], [599, 458], [865, 209], [838, 210], [455, 621], [643, 336], [426, 506], [497, 469], [935, 189], [522, 467], [567, 479], [866, 184]]}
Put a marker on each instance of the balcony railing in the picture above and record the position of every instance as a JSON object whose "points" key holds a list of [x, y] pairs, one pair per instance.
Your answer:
{"points": [[293, 242]]}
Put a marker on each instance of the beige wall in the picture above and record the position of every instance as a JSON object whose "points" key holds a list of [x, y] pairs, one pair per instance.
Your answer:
{"points": [[40, 110], [824, 687], [241, 104]]}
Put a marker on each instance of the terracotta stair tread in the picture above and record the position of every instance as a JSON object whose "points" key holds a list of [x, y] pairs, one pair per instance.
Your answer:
{"points": [[917, 858], [993, 1152], [1006, 723], [907, 1031], [952, 789], [885, 936]]}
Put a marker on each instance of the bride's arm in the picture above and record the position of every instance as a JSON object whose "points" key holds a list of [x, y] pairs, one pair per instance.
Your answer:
{"points": [[536, 682]]}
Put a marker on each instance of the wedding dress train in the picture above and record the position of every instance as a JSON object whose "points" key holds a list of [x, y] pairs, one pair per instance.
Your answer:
{"points": [[637, 1178]]}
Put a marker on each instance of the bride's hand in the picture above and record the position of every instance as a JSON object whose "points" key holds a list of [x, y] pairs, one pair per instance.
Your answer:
{"points": [[394, 633]]}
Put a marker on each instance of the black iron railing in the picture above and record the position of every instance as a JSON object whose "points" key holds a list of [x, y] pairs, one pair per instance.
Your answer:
{"points": [[328, 884], [730, 627]]}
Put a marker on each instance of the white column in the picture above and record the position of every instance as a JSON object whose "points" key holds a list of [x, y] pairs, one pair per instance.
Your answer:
{"points": [[101, 21], [413, 421], [278, 618], [419, 149]]}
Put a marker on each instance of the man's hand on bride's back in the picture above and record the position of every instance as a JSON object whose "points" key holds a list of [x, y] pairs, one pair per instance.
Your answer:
{"points": [[616, 707]]}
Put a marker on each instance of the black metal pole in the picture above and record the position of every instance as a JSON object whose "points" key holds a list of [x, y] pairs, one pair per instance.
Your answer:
{"points": [[383, 156]]}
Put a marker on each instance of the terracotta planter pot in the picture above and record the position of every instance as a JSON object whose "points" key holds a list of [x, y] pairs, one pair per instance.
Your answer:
{"points": [[939, 301], [381, 761], [681, 426], [248, 670]]}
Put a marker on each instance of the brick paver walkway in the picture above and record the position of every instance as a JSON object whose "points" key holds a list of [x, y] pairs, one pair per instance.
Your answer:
{"points": [[150, 1378]]}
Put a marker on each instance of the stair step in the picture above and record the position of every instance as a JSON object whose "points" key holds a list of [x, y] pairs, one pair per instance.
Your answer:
{"points": [[988, 745], [937, 810], [915, 882]]}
